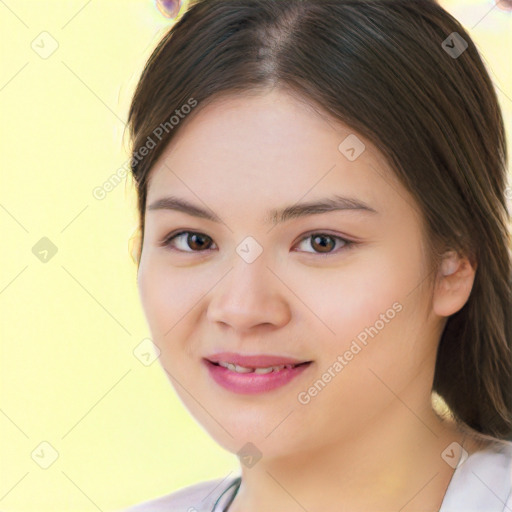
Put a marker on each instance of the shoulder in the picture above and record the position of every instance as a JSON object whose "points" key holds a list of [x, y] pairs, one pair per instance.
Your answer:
{"points": [[200, 497], [482, 482]]}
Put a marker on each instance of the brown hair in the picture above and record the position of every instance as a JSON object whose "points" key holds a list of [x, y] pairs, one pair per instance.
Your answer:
{"points": [[389, 69]]}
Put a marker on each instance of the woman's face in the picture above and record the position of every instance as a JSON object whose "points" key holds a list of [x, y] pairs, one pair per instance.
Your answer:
{"points": [[360, 313]]}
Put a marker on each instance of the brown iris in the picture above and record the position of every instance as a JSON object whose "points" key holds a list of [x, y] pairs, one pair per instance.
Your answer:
{"points": [[196, 241], [322, 241]]}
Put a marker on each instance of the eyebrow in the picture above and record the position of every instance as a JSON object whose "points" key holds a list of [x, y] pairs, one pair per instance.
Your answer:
{"points": [[336, 203]]}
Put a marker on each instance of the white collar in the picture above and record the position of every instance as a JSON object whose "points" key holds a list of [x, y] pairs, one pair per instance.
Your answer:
{"points": [[483, 482]]}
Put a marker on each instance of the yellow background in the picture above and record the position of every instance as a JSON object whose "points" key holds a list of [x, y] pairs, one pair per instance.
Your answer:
{"points": [[70, 325]]}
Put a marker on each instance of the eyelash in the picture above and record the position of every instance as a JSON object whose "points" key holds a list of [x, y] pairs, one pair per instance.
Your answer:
{"points": [[348, 244]]}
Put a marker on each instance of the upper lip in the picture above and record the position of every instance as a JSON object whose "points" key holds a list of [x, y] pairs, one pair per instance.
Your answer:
{"points": [[255, 361]]}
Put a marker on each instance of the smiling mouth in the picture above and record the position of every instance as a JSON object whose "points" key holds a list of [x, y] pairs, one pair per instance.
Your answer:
{"points": [[255, 381], [245, 369]]}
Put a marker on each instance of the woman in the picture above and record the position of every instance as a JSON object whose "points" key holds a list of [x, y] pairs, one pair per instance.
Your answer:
{"points": [[345, 325]]}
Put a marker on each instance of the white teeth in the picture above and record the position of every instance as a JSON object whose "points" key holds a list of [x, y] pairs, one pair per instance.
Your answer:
{"points": [[264, 370], [243, 369], [239, 369], [235, 367]]}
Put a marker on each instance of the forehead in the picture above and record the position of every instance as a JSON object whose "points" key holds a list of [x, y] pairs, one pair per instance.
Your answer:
{"points": [[268, 147]]}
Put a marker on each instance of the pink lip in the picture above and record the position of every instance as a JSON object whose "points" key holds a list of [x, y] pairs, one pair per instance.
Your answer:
{"points": [[252, 383], [258, 361]]}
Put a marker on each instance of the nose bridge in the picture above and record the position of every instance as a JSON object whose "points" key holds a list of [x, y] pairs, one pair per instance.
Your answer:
{"points": [[248, 282], [249, 295], [250, 276]]}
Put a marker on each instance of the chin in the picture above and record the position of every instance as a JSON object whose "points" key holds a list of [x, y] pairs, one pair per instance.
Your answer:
{"points": [[263, 435]]}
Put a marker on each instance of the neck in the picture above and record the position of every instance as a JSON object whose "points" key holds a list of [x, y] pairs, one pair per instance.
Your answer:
{"points": [[393, 464]]}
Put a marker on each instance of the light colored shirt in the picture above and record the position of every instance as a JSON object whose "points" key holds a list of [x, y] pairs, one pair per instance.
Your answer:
{"points": [[481, 483]]}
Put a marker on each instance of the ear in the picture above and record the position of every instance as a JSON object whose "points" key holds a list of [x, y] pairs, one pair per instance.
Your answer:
{"points": [[453, 284], [134, 245]]}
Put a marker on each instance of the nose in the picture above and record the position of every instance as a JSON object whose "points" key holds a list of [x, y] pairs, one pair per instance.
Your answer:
{"points": [[249, 296]]}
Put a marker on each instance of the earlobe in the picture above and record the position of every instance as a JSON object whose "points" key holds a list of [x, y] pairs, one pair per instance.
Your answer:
{"points": [[454, 284]]}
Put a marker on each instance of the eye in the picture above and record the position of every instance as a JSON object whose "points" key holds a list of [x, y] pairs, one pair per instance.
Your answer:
{"points": [[192, 241], [324, 243]]}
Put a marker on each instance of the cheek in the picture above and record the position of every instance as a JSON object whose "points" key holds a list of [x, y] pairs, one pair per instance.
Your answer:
{"points": [[379, 324], [368, 314], [347, 300], [167, 298]]}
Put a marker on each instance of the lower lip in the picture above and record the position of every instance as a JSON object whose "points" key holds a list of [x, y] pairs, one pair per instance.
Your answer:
{"points": [[252, 383]]}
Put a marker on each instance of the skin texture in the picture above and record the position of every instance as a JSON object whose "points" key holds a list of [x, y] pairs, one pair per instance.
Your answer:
{"points": [[370, 439]]}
